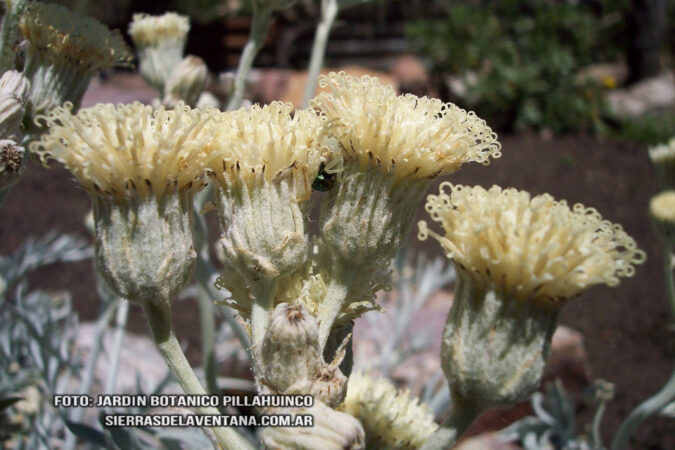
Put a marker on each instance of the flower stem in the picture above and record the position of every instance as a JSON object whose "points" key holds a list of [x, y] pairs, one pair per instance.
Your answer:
{"points": [[9, 33], [670, 285], [329, 11], [658, 401], [646, 409], [159, 319], [260, 313], [455, 424], [336, 294], [261, 20]]}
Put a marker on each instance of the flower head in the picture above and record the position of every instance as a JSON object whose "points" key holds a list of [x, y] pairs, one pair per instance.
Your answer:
{"points": [[531, 247], [391, 419], [663, 159], [130, 149], [406, 135], [662, 213], [160, 41], [273, 140], [152, 31], [61, 37]]}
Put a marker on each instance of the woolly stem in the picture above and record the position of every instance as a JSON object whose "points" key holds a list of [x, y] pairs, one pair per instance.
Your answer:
{"points": [[329, 11], [459, 419], [657, 402], [9, 33], [261, 21], [336, 294], [646, 409], [158, 314]]}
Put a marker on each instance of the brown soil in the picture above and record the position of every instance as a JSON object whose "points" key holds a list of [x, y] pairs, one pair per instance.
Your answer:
{"points": [[625, 328]]}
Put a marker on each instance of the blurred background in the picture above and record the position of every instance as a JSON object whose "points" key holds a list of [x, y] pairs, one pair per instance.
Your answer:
{"points": [[577, 90]]}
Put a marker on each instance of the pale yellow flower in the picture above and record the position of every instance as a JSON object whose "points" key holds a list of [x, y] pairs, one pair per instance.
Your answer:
{"points": [[147, 30], [530, 247], [662, 213], [130, 149], [391, 418], [273, 140], [408, 136]]}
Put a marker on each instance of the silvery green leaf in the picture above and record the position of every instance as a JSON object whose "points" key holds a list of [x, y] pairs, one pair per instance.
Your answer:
{"points": [[88, 433], [669, 410]]}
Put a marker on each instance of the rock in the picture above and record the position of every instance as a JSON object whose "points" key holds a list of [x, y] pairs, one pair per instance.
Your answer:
{"points": [[643, 97], [116, 88]]}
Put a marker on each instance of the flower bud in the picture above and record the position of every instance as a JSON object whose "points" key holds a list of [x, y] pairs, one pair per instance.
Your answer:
{"points": [[494, 349], [332, 430], [144, 248], [11, 163], [187, 81], [290, 352], [663, 159], [330, 386]]}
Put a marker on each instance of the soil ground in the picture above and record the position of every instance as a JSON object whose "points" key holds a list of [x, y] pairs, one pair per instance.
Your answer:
{"points": [[626, 328]]}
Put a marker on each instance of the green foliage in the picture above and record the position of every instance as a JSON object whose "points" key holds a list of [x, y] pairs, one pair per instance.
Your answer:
{"points": [[520, 60], [650, 129]]}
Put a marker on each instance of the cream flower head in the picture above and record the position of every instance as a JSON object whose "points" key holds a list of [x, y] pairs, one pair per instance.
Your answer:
{"points": [[61, 37], [130, 149], [160, 41], [662, 213], [406, 135], [663, 159], [663, 153], [530, 247], [391, 419], [153, 31], [272, 140]]}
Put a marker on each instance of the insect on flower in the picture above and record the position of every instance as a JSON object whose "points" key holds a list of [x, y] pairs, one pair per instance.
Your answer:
{"points": [[324, 181]]}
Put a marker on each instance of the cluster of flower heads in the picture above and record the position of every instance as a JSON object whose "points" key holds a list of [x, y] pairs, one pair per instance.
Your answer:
{"points": [[59, 36], [409, 136], [130, 149], [532, 247]]}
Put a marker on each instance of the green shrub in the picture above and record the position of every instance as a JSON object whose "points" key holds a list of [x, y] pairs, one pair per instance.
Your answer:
{"points": [[520, 60]]}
